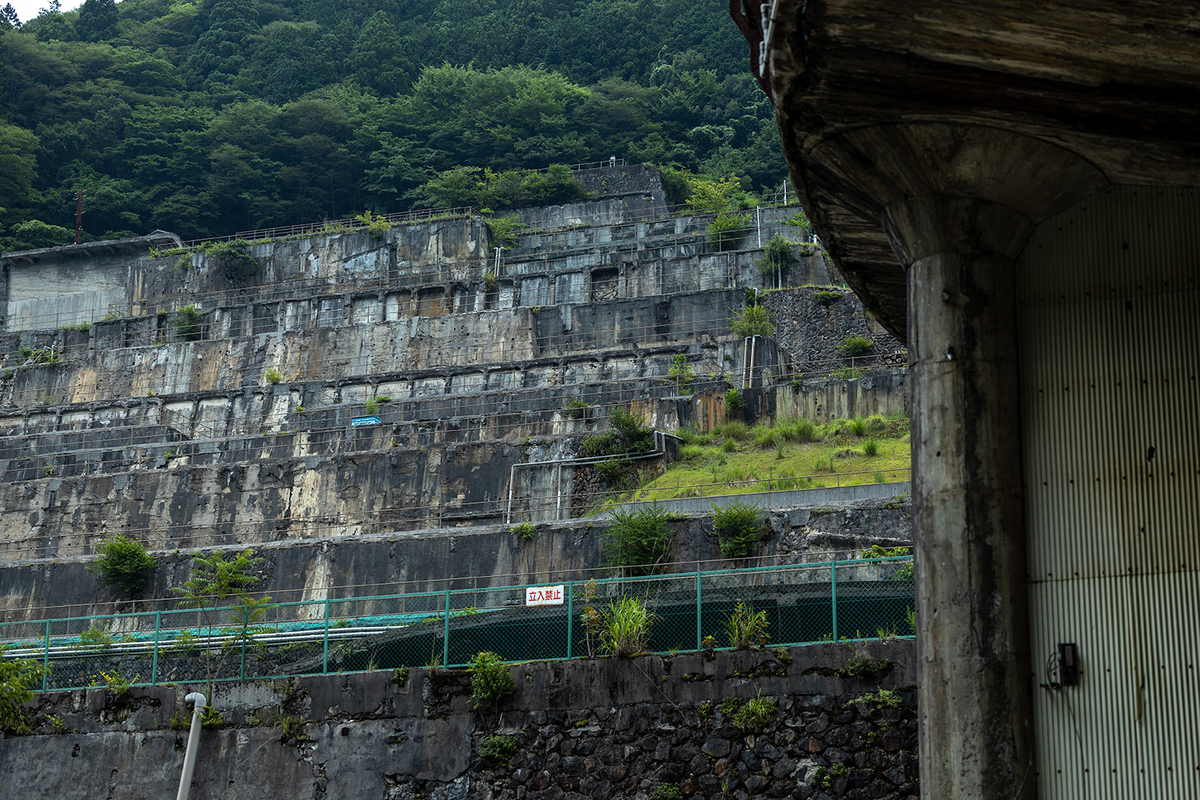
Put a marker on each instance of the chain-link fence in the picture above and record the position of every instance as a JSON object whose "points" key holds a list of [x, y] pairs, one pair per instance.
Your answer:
{"points": [[255, 639]]}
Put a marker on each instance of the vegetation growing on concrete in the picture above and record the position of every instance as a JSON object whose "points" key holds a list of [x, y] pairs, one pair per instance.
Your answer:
{"points": [[727, 230], [787, 454], [680, 374], [376, 225], [18, 679], [746, 628], [753, 321], [739, 527], [38, 357], [754, 714], [638, 542], [853, 346], [577, 408], [124, 563], [625, 630], [490, 681], [503, 231], [498, 749], [862, 667], [897, 571], [233, 251], [375, 402], [778, 253], [218, 582], [706, 195], [733, 403], [627, 437], [187, 323]]}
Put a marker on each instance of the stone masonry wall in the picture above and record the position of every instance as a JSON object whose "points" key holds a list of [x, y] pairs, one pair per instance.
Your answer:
{"points": [[811, 328], [642, 728]]}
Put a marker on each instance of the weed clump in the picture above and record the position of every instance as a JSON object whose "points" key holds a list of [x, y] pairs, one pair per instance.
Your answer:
{"points": [[853, 346], [738, 528], [490, 681], [123, 563], [498, 749], [639, 542], [747, 628], [627, 437], [753, 321], [625, 630]]}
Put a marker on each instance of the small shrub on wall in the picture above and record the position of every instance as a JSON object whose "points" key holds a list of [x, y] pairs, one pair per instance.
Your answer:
{"points": [[639, 541], [738, 528], [123, 563], [727, 230]]}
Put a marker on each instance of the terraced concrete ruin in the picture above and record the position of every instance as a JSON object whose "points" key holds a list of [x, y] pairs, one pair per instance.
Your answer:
{"points": [[374, 411], [197, 402]]}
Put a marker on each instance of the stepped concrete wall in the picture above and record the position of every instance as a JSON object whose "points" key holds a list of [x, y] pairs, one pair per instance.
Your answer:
{"points": [[469, 557], [260, 420], [604, 728], [95, 367]]}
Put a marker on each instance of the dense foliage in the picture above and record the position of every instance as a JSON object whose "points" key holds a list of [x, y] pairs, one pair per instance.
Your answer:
{"points": [[638, 541], [123, 562], [18, 679], [213, 116]]}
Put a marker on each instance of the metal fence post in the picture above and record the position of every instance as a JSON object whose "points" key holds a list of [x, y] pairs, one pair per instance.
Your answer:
{"points": [[154, 661], [570, 614], [46, 660], [699, 632], [325, 656], [833, 595], [446, 634]]}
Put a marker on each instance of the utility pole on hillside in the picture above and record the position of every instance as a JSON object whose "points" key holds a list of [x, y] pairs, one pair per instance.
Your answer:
{"points": [[79, 216]]}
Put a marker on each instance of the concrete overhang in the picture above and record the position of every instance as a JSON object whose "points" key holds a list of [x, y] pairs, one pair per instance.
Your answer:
{"points": [[137, 245], [1072, 95]]}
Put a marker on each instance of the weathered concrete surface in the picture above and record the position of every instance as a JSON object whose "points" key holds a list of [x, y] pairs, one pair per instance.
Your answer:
{"points": [[604, 728], [972, 608], [480, 556], [877, 392], [252, 500], [1116, 87], [938, 134], [94, 369], [86, 281]]}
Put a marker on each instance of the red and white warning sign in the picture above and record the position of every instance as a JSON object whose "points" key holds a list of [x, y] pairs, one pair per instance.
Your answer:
{"points": [[544, 595]]}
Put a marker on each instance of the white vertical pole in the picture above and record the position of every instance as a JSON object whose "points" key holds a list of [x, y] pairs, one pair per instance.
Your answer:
{"points": [[193, 744]]}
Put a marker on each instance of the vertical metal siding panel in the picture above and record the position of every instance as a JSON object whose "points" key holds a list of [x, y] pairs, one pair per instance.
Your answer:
{"points": [[1110, 349]]}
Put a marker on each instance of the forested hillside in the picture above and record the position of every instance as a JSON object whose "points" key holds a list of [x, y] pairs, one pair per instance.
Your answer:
{"points": [[212, 116]]}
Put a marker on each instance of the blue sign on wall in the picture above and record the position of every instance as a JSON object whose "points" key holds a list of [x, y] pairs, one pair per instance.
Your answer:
{"points": [[356, 421]]}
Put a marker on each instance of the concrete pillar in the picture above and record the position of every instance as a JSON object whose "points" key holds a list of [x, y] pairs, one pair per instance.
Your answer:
{"points": [[976, 717]]}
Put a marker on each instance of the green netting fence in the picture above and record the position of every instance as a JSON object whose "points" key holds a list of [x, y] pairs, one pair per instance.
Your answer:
{"points": [[804, 603]]}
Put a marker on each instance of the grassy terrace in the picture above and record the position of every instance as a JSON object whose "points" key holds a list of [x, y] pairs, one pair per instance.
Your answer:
{"points": [[789, 454]]}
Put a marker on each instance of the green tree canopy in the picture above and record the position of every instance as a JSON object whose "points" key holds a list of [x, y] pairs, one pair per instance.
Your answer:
{"points": [[211, 116]]}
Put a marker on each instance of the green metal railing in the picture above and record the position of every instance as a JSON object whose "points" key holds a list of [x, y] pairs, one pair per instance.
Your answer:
{"points": [[804, 603]]}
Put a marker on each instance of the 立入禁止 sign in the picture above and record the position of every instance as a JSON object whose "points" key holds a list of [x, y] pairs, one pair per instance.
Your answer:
{"points": [[544, 595]]}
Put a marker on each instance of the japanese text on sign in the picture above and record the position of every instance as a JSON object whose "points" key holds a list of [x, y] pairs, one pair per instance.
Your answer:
{"points": [[544, 595]]}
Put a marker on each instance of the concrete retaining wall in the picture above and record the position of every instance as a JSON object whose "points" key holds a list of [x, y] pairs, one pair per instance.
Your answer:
{"points": [[469, 557], [606, 728]]}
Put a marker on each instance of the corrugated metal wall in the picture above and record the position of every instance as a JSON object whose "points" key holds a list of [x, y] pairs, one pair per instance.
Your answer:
{"points": [[1110, 411]]}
